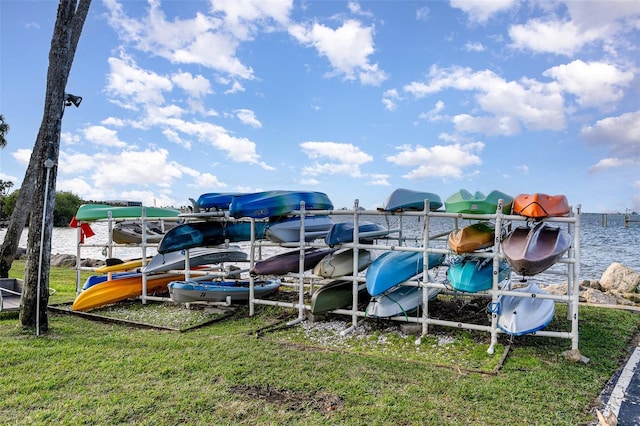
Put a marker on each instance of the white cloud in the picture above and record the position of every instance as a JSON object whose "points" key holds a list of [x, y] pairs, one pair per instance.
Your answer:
{"points": [[587, 22], [481, 11], [595, 84], [22, 155], [201, 40], [248, 117], [444, 161], [101, 135], [389, 99], [131, 85], [434, 114], [528, 103], [613, 163], [620, 134], [474, 47], [196, 87], [344, 158], [347, 48]]}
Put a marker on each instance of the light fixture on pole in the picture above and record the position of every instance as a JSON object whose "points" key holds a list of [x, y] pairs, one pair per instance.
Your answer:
{"points": [[70, 99]]}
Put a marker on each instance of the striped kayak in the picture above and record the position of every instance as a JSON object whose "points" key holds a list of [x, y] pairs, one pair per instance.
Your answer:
{"points": [[277, 203], [91, 212], [464, 201], [394, 267], [206, 234], [539, 205], [407, 199]]}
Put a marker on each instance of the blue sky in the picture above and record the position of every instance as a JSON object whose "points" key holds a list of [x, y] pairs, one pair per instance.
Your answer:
{"points": [[354, 99]]}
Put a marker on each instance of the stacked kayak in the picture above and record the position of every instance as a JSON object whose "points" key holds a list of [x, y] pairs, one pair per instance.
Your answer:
{"points": [[464, 201], [531, 251], [538, 205], [219, 291], [410, 200], [471, 274]]}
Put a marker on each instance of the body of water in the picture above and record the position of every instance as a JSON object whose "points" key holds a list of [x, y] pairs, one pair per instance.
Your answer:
{"points": [[599, 245]]}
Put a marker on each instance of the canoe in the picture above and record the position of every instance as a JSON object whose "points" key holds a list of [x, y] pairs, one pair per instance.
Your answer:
{"points": [[211, 233], [475, 274], [394, 267], [539, 205], [197, 256], [531, 251], [407, 199], [289, 262], [91, 212], [526, 314], [343, 232], [287, 230], [472, 237], [218, 291], [465, 202], [400, 301], [336, 295], [112, 291], [277, 203], [340, 263], [130, 232], [216, 200]]}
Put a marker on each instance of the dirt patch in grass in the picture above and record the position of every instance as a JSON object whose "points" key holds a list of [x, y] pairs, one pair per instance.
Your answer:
{"points": [[291, 400]]}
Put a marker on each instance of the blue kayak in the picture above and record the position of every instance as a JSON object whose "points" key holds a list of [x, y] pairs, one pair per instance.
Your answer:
{"points": [[218, 291], [217, 200], [277, 203], [475, 274], [394, 267], [206, 234], [343, 232]]}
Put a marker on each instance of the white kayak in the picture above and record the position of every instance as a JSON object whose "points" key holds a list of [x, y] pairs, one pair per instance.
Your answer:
{"points": [[519, 315], [340, 263], [197, 256]]}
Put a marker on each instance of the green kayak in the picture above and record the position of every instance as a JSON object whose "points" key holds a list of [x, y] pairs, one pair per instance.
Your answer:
{"points": [[465, 202], [91, 212]]}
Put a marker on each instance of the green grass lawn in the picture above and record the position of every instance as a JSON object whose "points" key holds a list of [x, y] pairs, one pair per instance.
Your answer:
{"points": [[90, 372]]}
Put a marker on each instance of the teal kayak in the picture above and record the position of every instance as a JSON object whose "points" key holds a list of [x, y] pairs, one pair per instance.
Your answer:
{"points": [[475, 274], [407, 199], [91, 212], [207, 234], [465, 202]]}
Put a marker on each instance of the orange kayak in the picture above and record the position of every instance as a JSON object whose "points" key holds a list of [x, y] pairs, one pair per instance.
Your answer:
{"points": [[541, 205], [473, 237]]}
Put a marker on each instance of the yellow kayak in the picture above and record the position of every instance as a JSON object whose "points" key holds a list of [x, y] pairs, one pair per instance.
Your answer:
{"points": [[121, 267], [473, 237]]}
